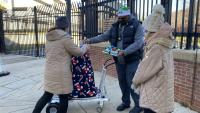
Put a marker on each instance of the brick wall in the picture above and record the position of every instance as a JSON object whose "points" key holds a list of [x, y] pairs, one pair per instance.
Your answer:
{"points": [[187, 88], [185, 93], [98, 59]]}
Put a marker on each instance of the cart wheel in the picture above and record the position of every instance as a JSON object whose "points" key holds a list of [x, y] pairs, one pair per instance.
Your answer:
{"points": [[100, 106], [52, 108], [99, 109]]}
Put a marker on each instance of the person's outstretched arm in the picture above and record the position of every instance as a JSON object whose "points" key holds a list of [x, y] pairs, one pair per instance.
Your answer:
{"points": [[100, 38], [73, 49]]}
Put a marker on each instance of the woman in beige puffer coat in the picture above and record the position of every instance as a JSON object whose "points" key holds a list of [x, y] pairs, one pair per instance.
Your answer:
{"points": [[155, 75], [57, 76]]}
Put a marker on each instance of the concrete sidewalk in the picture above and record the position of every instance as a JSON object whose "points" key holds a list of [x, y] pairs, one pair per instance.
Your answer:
{"points": [[21, 89]]}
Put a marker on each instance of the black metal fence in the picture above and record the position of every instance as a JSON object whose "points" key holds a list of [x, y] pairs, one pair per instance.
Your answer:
{"points": [[26, 27], [182, 15]]}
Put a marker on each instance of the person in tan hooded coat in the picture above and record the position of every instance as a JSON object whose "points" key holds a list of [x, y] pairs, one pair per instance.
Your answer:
{"points": [[57, 76], [154, 77]]}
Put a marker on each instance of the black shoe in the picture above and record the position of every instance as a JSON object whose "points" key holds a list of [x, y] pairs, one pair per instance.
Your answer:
{"points": [[70, 96], [136, 110], [122, 107], [4, 73]]}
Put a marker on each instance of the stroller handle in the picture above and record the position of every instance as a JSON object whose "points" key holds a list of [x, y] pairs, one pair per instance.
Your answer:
{"points": [[106, 64]]}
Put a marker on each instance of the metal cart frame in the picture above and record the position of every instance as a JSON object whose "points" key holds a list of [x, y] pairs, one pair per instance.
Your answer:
{"points": [[101, 96]]}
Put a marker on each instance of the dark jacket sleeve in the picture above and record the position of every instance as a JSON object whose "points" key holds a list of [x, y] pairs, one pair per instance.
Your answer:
{"points": [[139, 41], [100, 38]]}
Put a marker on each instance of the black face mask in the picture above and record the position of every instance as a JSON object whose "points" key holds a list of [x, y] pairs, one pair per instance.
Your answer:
{"points": [[122, 22]]}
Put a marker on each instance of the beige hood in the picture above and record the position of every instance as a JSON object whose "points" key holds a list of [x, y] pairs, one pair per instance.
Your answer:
{"points": [[164, 41], [56, 35]]}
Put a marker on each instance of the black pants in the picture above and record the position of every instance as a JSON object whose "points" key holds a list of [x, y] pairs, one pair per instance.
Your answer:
{"points": [[46, 97], [126, 73], [146, 110]]}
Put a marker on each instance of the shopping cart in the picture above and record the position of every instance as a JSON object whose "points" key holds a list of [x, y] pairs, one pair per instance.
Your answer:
{"points": [[100, 97]]}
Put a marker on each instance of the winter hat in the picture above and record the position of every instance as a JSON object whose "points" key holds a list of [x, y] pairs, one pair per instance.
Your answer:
{"points": [[123, 11], [62, 22], [153, 22]]}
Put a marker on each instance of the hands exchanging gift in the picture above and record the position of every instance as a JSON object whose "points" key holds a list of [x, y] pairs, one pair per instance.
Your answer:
{"points": [[110, 50], [114, 51]]}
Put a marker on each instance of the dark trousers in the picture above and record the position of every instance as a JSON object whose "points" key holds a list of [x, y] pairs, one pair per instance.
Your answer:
{"points": [[46, 97], [146, 110], [126, 73]]}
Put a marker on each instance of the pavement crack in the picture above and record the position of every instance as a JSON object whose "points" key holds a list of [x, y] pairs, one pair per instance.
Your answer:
{"points": [[82, 107], [20, 109]]}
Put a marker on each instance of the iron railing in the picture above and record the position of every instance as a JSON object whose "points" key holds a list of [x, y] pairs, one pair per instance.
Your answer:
{"points": [[25, 29]]}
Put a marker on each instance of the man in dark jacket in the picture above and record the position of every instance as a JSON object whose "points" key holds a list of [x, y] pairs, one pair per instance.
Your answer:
{"points": [[126, 34]]}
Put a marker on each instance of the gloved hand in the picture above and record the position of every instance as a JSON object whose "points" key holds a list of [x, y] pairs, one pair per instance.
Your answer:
{"points": [[88, 46], [121, 53], [85, 46], [86, 41]]}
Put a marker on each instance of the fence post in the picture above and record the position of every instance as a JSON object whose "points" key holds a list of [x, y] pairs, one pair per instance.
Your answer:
{"points": [[91, 16], [95, 13], [82, 20], [68, 13], [131, 5], [36, 32], [197, 26], [190, 25], [18, 40], [2, 37], [167, 4]]}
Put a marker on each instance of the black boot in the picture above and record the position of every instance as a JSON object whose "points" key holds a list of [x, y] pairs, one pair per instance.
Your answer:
{"points": [[136, 97], [4, 73], [136, 110], [122, 107]]}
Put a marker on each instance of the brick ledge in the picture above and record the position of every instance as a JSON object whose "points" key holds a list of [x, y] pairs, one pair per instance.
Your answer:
{"points": [[186, 55], [179, 54]]}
